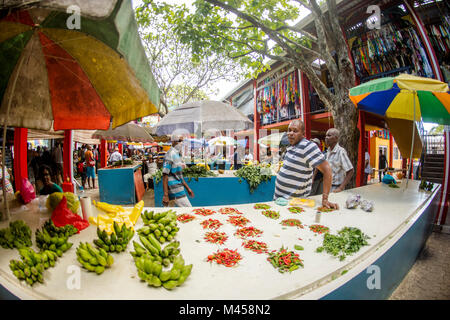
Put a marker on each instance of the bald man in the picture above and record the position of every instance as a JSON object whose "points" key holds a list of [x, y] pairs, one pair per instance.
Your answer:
{"points": [[340, 163], [295, 176]]}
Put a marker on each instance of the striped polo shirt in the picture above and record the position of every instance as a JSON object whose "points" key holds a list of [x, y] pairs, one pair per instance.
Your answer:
{"points": [[295, 176], [173, 167]]}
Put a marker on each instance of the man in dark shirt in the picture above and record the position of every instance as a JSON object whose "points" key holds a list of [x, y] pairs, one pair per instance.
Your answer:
{"points": [[382, 164]]}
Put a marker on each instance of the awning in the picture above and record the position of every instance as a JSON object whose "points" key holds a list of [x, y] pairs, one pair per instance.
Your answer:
{"points": [[81, 136]]}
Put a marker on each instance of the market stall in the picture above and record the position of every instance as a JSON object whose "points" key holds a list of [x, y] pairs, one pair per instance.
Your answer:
{"points": [[397, 229], [121, 184]]}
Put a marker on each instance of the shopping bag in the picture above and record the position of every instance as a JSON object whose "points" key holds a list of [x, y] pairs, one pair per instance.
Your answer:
{"points": [[62, 216], [27, 191]]}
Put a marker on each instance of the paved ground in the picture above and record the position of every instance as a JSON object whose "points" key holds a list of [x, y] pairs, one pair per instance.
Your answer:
{"points": [[428, 279]]}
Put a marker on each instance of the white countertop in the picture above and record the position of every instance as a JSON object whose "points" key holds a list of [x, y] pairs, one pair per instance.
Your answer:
{"points": [[253, 278]]}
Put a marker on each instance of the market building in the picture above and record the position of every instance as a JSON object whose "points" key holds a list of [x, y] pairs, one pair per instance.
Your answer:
{"points": [[413, 37]]}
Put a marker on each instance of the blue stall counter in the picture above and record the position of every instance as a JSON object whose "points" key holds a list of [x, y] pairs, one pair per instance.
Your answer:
{"points": [[120, 185]]}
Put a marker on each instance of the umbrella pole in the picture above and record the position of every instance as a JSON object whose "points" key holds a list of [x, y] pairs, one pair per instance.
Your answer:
{"points": [[412, 140]]}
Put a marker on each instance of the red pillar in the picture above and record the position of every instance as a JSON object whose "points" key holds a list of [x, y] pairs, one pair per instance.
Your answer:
{"points": [[68, 161], [103, 159], [391, 150], [361, 149], [306, 105], [120, 148], [20, 156], [256, 123]]}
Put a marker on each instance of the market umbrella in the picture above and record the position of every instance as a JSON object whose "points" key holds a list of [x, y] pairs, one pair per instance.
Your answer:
{"points": [[130, 132], [275, 139], [75, 71], [405, 97], [195, 143], [204, 115]]}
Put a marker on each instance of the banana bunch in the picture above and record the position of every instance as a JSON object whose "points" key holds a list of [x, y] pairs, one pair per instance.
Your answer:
{"points": [[17, 235], [53, 238], [93, 259], [33, 264], [162, 225], [68, 230], [151, 271], [117, 241], [108, 208], [150, 246]]}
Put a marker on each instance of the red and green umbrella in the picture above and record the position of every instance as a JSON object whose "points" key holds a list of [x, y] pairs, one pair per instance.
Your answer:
{"points": [[405, 97], [74, 78]]}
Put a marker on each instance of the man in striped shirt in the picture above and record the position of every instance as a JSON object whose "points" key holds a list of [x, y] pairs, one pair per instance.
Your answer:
{"points": [[340, 164], [295, 177], [173, 182]]}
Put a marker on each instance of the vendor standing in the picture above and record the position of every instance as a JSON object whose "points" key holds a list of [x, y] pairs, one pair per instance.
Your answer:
{"points": [[340, 164], [173, 182], [115, 156], [295, 176]]}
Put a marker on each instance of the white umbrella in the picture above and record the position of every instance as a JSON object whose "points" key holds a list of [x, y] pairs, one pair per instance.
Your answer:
{"points": [[274, 139], [203, 116]]}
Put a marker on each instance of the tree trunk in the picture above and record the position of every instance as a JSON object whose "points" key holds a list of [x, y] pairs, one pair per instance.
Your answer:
{"points": [[345, 117]]}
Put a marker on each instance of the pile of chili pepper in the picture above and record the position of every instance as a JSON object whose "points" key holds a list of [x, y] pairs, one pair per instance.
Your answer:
{"points": [[272, 214], [226, 257], [211, 224], [317, 228], [284, 260], [261, 206], [248, 232], [323, 209], [185, 217], [229, 210], [238, 221], [292, 223], [216, 237], [296, 209], [255, 246], [204, 212]]}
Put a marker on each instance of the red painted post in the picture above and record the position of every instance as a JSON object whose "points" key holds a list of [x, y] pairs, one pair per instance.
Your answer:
{"points": [[256, 123], [306, 105], [20, 156], [68, 162], [391, 150], [103, 148], [361, 149]]}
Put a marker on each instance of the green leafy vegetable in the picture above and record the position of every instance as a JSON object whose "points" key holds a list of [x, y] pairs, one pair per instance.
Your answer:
{"points": [[348, 241]]}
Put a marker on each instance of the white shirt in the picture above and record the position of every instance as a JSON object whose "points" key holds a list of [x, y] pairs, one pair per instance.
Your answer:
{"points": [[248, 157], [368, 168], [115, 156], [340, 164]]}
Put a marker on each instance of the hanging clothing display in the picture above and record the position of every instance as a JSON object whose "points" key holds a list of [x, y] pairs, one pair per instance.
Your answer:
{"points": [[439, 35], [276, 101], [390, 48]]}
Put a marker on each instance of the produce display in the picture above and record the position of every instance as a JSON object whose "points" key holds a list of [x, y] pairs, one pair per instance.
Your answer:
{"points": [[185, 217], [292, 223], [261, 206], [348, 241], [162, 226], [229, 211], [393, 185], [151, 247], [17, 235], [73, 203], [296, 209], [238, 221], [216, 237], [195, 172], [226, 257], [255, 246], [272, 214], [116, 213], [53, 238], [157, 176], [248, 232], [204, 212], [427, 186], [211, 224], [120, 163], [254, 175], [93, 259], [323, 209], [284, 260], [151, 271], [117, 241], [317, 228], [33, 264]]}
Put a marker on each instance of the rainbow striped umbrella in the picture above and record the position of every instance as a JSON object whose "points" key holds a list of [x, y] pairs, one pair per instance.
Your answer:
{"points": [[405, 97], [76, 68]]}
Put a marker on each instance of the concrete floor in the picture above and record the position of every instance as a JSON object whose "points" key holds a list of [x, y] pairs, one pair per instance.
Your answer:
{"points": [[428, 279]]}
